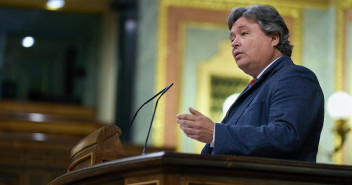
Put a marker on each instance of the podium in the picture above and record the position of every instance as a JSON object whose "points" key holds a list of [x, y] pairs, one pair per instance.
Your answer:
{"points": [[167, 168]]}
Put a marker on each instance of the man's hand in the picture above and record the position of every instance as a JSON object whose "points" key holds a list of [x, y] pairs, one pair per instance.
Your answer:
{"points": [[196, 126]]}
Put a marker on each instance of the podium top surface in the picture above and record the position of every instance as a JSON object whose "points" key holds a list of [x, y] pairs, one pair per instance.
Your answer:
{"points": [[179, 163]]}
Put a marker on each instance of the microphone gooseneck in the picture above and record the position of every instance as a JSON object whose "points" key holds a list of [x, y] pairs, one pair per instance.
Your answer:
{"points": [[151, 122], [135, 114]]}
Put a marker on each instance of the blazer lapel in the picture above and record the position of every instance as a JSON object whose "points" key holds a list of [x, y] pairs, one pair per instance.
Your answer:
{"points": [[249, 93], [239, 108]]}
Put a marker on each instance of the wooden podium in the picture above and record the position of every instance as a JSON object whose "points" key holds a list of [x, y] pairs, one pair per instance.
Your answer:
{"points": [[166, 168]]}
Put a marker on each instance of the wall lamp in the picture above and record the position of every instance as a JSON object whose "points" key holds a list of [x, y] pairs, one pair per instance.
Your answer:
{"points": [[339, 107], [55, 4]]}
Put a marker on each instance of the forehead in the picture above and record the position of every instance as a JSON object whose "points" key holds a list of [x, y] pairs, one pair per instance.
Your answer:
{"points": [[244, 23]]}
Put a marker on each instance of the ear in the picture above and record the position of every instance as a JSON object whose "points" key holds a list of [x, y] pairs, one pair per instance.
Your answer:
{"points": [[275, 39]]}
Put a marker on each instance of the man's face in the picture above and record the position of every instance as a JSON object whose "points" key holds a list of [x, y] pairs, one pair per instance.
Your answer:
{"points": [[252, 49]]}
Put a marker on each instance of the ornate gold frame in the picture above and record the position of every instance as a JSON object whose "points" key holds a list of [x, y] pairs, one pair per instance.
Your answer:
{"points": [[340, 64]]}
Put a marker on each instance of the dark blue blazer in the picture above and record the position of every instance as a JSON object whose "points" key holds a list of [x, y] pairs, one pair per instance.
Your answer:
{"points": [[280, 116]]}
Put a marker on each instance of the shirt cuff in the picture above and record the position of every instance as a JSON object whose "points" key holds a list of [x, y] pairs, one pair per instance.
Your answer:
{"points": [[213, 141]]}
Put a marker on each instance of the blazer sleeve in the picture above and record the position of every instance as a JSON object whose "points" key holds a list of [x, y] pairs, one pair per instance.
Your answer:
{"points": [[295, 104], [207, 149]]}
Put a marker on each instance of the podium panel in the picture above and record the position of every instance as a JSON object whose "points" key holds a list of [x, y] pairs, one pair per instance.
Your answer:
{"points": [[166, 168]]}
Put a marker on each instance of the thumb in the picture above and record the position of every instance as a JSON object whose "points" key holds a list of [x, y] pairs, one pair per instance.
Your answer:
{"points": [[195, 112]]}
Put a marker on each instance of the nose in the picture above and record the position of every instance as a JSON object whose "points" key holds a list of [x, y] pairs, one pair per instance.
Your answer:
{"points": [[234, 43]]}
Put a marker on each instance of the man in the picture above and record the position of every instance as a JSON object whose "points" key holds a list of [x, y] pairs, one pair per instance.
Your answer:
{"points": [[281, 114]]}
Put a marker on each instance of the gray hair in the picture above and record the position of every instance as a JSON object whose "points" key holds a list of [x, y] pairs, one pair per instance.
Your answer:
{"points": [[269, 21]]}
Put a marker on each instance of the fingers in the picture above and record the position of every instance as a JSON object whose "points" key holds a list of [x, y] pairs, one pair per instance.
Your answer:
{"points": [[184, 123], [182, 120], [190, 132], [190, 119], [196, 126], [191, 116], [195, 112], [186, 117], [196, 134]]}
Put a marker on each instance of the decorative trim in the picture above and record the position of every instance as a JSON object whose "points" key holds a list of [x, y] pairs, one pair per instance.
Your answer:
{"points": [[339, 71], [228, 4], [75, 163], [182, 32], [207, 182], [171, 56], [160, 77], [340, 64], [152, 182]]}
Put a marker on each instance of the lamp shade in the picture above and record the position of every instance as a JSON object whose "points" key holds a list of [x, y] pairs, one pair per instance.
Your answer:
{"points": [[339, 105], [228, 102], [55, 4]]}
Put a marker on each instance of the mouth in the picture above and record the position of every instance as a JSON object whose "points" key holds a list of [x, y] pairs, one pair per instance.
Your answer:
{"points": [[237, 54]]}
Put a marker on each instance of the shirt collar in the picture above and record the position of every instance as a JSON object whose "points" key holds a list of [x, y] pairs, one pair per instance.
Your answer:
{"points": [[261, 73]]}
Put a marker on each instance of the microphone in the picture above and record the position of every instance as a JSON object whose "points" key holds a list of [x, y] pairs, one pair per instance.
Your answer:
{"points": [[151, 122], [135, 114]]}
